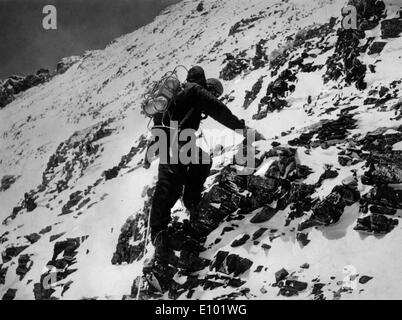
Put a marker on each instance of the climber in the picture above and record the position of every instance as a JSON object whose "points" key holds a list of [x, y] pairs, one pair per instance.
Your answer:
{"points": [[29, 202], [199, 97]]}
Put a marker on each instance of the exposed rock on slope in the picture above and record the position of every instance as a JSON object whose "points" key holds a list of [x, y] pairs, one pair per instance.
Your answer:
{"points": [[64, 64], [16, 84]]}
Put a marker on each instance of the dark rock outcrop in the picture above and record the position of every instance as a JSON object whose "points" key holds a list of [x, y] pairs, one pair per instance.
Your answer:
{"points": [[235, 65], [369, 12], [241, 241], [17, 84], [227, 263], [244, 24], [382, 200], [376, 224], [260, 59], [214, 281], [74, 199], [10, 294], [300, 197], [24, 265], [365, 279], [3, 273], [58, 268], [292, 288], [302, 238], [200, 7], [42, 293], [11, 252], [384, 170], [64, 64], [56, 236], [329, 210], [29, 202], [377, 47], [329, 173], [259, 233], [328, 133], [111, 173], [391, 28], [7, 181], [345, 61], [281, 275], [264, 215], [45, 230], [252, 95], [276, 91], [33, 238]]}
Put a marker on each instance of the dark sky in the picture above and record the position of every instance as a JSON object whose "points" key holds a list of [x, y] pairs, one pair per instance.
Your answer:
{"points": [[26, 47]]}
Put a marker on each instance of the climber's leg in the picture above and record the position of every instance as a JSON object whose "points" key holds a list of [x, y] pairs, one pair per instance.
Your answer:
{"points": [[168, 190], [194, 184]]}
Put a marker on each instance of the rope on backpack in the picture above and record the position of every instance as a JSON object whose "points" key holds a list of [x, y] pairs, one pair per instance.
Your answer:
{"points": [[160, 94]]}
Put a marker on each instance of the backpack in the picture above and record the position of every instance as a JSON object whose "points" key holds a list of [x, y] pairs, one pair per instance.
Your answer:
{"points": [[161, 94]]}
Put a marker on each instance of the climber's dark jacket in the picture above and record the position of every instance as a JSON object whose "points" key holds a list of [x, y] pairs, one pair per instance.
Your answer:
{"points": [[191, 105], [197, 100]]}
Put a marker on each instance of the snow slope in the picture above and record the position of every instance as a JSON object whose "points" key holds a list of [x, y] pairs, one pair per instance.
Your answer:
{"points": [[88, 118]]}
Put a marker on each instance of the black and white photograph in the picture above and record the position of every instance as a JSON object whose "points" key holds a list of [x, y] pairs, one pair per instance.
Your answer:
{"points": [[221, 152]]}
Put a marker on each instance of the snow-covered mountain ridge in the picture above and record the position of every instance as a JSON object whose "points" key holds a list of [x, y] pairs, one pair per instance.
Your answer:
{"points": [[327, 101]]}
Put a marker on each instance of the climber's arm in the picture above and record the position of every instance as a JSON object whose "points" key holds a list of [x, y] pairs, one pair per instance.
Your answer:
{"points": [[216, 109]]}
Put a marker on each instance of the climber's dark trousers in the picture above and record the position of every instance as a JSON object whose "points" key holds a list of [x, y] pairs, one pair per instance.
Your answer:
{"points": [[172, 178]]}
